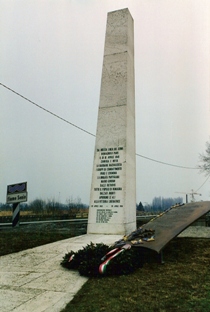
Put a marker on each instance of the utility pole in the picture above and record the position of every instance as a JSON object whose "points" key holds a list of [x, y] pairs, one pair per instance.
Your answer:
{"points": [[191, 194], [193, 197]]}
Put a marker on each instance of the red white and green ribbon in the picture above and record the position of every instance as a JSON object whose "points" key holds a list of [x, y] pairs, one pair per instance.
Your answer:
{"points": [[71, 258], [111, 254], [114, 253]]}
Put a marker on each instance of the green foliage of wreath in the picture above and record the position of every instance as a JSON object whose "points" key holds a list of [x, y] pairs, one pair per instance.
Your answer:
{"points": [[88, 260]]}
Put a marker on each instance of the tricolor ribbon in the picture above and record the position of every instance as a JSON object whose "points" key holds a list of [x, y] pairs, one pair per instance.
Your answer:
{"points": [[111, 254], [71, 258]]}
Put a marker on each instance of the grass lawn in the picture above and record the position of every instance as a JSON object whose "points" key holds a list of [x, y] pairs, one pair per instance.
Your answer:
{"points": [[182, 284], [33, 235]]}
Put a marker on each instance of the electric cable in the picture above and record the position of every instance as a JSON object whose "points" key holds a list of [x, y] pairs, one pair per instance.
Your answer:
{"points": [[164, 163], [72, 124], [203, 183], [46, 110]]}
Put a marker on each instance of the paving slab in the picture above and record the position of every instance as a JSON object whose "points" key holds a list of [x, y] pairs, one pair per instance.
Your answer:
{"points": [[34, 281]]}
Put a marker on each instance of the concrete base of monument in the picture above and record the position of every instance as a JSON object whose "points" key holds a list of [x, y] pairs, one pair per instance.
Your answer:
{"points": [[111, 228]]}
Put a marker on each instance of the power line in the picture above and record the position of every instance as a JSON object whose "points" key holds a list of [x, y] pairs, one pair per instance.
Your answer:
{"points": [[164, 163], [203, 183], [61, 118], [46, 110]]}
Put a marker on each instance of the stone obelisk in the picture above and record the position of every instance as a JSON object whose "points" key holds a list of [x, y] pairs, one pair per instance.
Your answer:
{"points": [[112, 207]]}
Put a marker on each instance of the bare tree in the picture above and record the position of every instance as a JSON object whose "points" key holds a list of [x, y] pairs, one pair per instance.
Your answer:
{"points": [[37, 205], [205, 159]]}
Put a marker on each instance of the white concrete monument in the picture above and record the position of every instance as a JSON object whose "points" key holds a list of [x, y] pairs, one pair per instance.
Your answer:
{"points": [[112, 207]]}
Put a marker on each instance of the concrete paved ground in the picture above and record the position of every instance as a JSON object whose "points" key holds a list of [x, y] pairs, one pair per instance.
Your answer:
{"points": [[34, 281]]}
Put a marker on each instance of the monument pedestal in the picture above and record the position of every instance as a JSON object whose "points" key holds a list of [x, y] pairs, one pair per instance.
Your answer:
{"points": [[112, 207]]}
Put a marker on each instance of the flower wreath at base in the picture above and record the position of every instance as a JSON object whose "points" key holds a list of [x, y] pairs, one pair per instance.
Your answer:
{"points": [[100, 259]]}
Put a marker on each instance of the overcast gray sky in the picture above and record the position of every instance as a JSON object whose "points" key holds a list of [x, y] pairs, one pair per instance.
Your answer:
{"points": [[52, 53]]}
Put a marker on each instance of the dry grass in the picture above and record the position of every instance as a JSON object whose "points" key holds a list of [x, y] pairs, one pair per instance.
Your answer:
{"points": [[5, 213], [9, 213]]}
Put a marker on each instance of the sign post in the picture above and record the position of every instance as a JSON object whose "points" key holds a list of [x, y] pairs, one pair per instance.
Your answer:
{"points": [[16, 214], [16, 193]]}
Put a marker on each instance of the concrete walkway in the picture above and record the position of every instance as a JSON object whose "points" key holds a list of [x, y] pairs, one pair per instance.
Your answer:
{"points": [[34, 281]]}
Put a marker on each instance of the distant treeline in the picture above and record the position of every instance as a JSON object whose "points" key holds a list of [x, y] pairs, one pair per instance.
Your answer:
{"points": [[51, 206], [159, 204], [72, 205]]}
